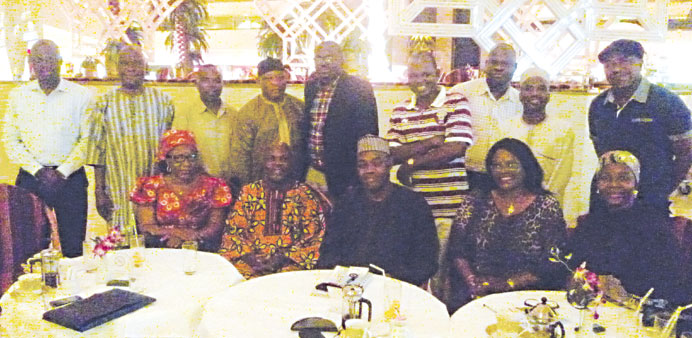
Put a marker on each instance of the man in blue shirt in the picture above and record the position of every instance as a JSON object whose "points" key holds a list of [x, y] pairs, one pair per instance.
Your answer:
{"points": [[645, 119]]}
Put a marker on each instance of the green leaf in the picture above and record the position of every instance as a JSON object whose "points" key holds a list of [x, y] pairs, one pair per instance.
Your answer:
{"points": [[553, 259], [569, 256]]}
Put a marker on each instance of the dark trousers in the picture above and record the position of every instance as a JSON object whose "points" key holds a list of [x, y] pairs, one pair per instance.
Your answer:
{"points": [[70, 205]]}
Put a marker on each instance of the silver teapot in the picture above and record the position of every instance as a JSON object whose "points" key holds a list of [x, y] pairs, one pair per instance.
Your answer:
{"points": [[543, 318]]}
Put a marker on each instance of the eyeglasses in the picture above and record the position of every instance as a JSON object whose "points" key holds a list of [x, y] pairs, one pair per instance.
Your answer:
{"points": [[512, 166], [179, 159]]}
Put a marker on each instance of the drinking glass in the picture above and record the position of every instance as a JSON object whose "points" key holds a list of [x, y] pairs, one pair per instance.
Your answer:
{"points": [[137, 246], [190, 257], [392, 298], [686, 334], [89, 260], [580, 298], [661, 329]]}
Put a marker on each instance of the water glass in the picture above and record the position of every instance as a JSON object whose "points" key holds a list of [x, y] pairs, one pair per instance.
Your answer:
{"points": [[137, 246], [686, 334], [190, 257], [392, 298], [356, 328], [89, 260], [661, 329]]}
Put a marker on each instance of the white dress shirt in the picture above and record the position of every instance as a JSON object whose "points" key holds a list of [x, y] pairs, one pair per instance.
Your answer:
{"points": [[552, 142], [47, 130], [487, 116]]}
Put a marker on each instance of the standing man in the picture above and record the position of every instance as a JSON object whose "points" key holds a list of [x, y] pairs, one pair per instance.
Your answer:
{"points": [[550, 138], [493, 101], [645, 119], [380, 223], [211, 124], [339, 109], [270, 117], [429, 135], [45, 132], [127, 123]]}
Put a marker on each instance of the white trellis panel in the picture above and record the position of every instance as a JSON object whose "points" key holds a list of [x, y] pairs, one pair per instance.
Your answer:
{"points": [[297, 23], [147, 13], [571, 25]]}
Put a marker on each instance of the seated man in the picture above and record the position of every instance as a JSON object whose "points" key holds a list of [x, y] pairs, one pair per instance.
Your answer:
{"points": [[277, 223], [381, 223]]}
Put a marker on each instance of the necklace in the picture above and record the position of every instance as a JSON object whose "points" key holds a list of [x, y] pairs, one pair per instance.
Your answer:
{"points": [[510, 210]]}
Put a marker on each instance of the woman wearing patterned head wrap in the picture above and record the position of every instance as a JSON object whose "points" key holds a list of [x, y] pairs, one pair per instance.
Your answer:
{"points": [[183, 203], [623, 237]]}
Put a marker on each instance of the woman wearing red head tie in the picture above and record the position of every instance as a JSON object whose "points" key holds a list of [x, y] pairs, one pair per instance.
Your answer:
{"points": [[183, 203]]}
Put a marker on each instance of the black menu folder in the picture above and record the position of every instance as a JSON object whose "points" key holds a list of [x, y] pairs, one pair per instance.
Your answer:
{"points": [[100, 308]]}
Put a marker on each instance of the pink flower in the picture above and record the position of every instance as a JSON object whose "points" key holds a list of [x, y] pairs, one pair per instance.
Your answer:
{"points": [[99, 250]]}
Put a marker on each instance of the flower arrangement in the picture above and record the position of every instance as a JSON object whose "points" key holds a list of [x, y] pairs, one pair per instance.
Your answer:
{"points": [[585, 286], [108, 243]]}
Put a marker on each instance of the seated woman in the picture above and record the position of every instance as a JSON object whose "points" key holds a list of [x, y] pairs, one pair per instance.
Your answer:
{"points": [[625, 238], [183, 203], [501, 238], [277, 223]]}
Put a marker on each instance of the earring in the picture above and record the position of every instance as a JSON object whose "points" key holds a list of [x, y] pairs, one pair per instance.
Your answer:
{"points": [[168, 168], [635, 192]]}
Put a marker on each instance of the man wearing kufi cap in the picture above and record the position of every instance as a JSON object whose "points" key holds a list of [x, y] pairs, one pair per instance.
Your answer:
{"points": [[550, 137], [377, 222], [645, 119], [271, 116]]}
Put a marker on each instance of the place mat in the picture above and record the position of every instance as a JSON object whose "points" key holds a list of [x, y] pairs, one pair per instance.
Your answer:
{"points": [[100, 308]]}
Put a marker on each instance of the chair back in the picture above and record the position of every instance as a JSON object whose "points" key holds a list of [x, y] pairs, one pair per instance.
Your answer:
{"points": [[25, 229]]}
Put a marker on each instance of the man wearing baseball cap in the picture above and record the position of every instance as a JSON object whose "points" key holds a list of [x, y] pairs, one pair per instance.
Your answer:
{"points": [[645, 119]]}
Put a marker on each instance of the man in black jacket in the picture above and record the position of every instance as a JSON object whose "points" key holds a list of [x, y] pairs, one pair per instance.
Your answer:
{"points": [[339, 109], [380, 223]]}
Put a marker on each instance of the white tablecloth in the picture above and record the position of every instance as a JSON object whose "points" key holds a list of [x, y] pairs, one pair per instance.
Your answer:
{"points": [[267, 306], [473, 319], [175, 313]]}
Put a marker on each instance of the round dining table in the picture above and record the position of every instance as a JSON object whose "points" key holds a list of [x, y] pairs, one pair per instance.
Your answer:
{"points": [[175, 313], [267, 307], [478, 318]]}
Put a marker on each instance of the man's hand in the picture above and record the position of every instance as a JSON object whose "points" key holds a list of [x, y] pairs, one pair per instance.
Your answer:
{"points": [[403, 174], [104, 204]]}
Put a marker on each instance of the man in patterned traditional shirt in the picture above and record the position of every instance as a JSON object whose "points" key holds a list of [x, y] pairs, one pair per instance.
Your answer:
{"points": [[277, 223], [339, 109], [429, 135], [127, 123]]}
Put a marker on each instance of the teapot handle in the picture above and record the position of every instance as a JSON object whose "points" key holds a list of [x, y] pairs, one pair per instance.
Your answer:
{"points": [[562, 330], [360, 308]]}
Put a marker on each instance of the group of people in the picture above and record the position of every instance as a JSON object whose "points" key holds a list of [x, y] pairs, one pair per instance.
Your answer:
{"points": [[473, 205]]}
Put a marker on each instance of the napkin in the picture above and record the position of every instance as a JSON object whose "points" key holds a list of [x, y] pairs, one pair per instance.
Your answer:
{"points": [[100, 308]]}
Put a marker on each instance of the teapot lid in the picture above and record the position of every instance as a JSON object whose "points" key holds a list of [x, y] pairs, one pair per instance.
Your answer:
{"points": [[352, 290], [542, 312]]}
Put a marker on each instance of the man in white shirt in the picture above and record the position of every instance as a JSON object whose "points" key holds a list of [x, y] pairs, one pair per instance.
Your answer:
{"points": [[550, 138], [492, 102], [45, 133]]}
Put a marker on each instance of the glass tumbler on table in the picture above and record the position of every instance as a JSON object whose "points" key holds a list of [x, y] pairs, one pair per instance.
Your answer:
{"points": [[137, 246], [190, 259]]}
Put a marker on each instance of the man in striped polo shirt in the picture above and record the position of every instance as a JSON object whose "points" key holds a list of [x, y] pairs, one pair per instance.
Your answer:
{"points": [[429, 135]]}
